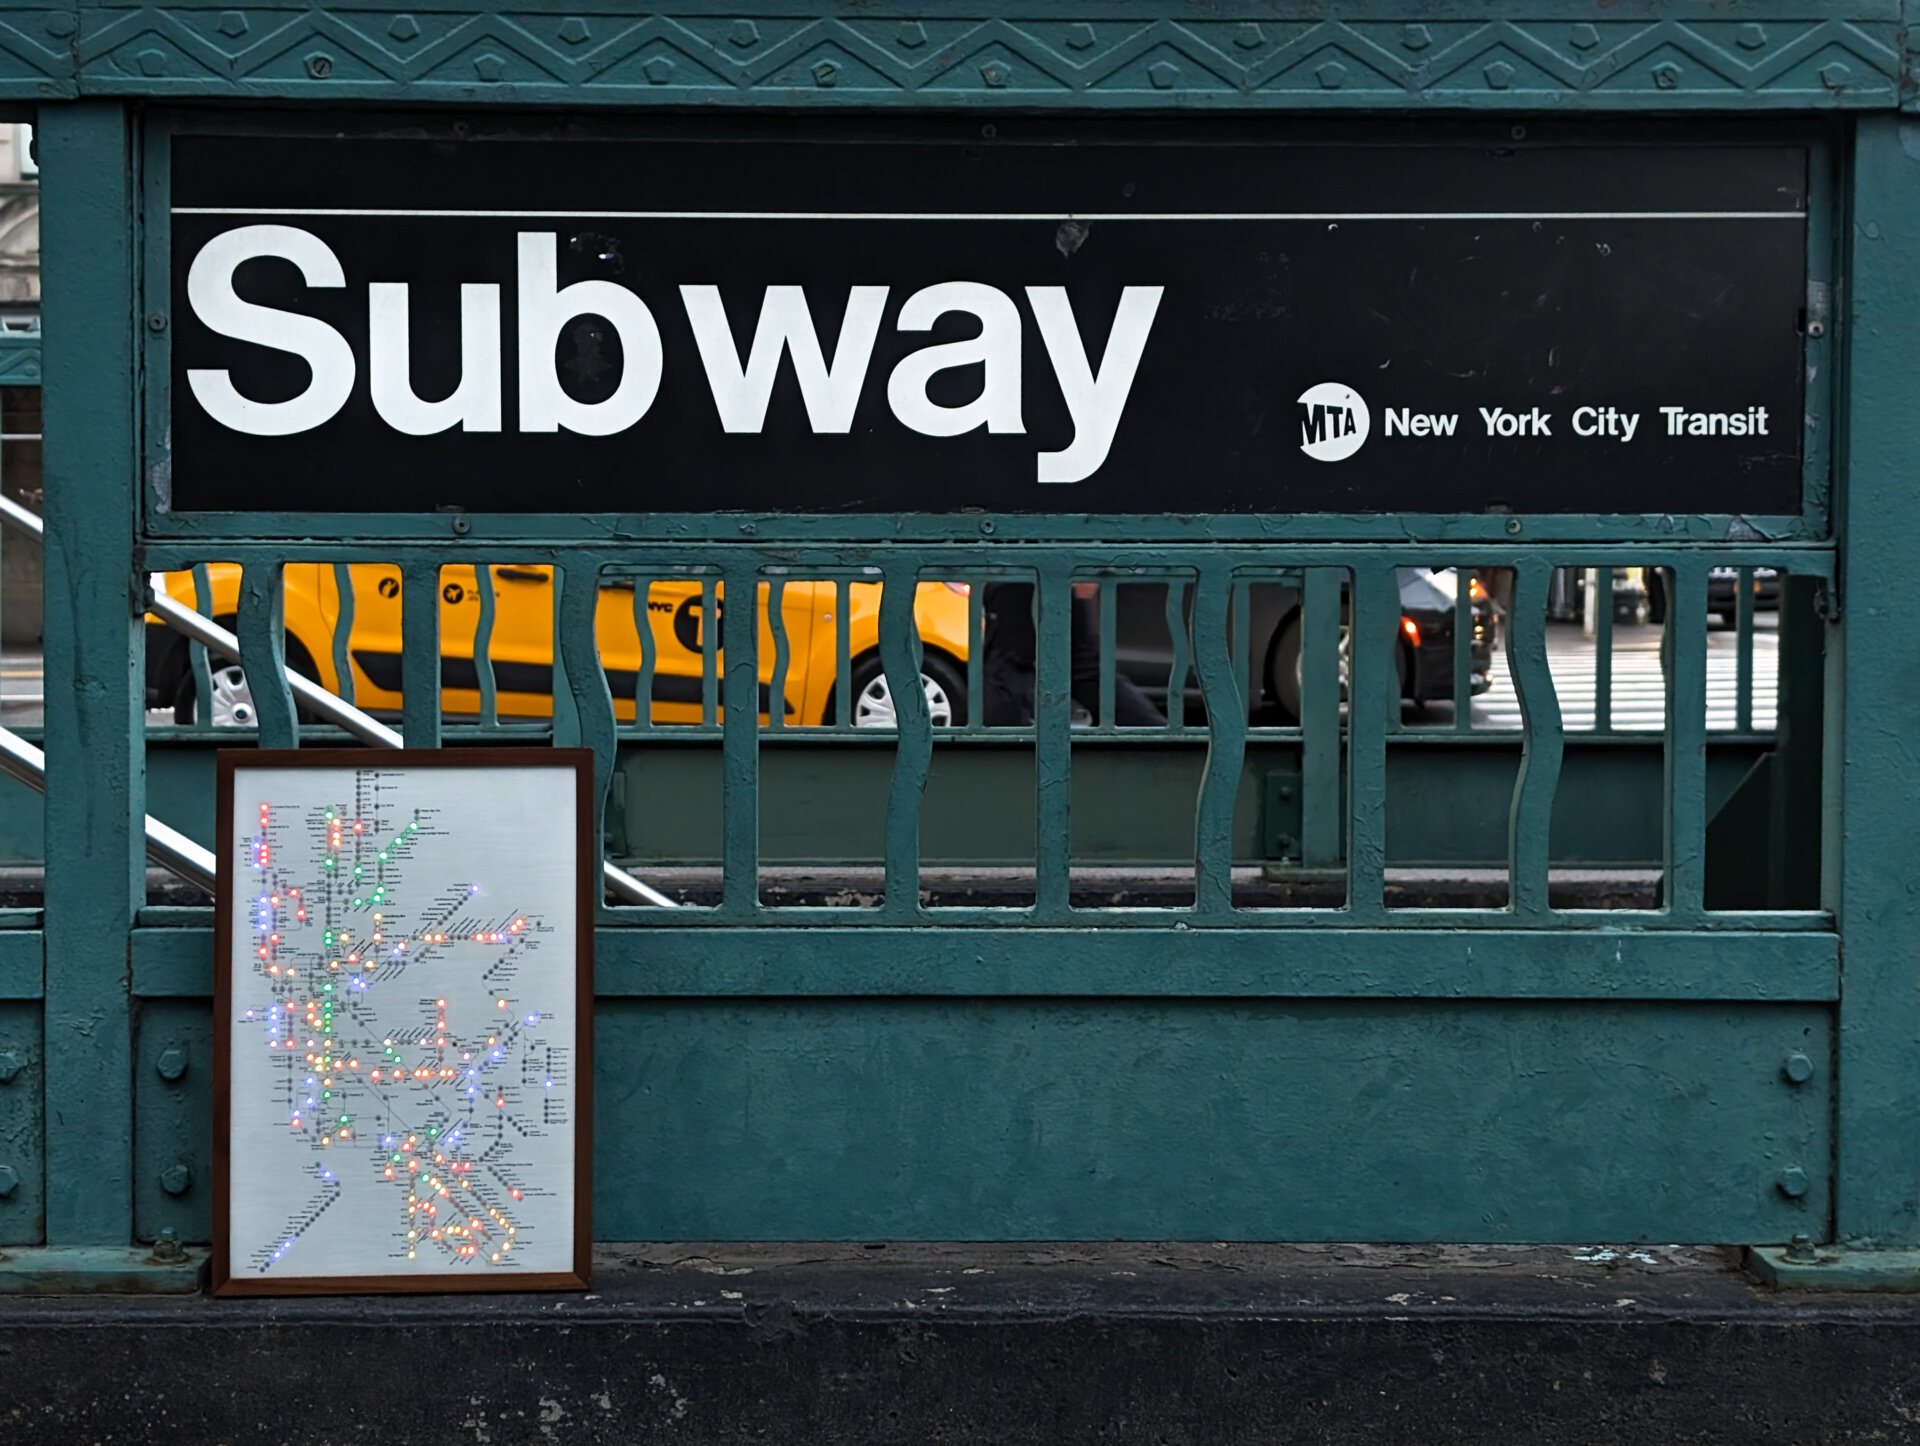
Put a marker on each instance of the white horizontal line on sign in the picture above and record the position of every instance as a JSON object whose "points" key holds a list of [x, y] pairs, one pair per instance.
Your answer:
{"points": [[1331, 216]]}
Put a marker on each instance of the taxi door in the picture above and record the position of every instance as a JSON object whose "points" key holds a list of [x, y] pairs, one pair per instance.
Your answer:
{"points": [[521, 646], [676, 612]]}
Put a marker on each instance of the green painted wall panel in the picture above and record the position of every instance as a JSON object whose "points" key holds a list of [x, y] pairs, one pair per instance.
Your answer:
{"points": [[173, 1118], [1155, 1119], [22, 963], [23, 832], [173, 963], [1218, 962], [1135, 804], [1328, 962], [23, 1208], [1131, 804]]}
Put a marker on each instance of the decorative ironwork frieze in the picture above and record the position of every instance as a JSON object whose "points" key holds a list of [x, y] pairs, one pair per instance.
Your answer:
{"points": [[1803, 56]]}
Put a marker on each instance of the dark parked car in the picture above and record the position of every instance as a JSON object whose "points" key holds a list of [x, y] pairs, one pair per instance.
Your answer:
{"points": [[1723, 587], [1722, 583], [1423, 647]]}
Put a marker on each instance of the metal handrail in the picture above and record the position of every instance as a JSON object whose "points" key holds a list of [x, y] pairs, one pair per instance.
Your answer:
{"points": [[166, 846], [318, 700]]}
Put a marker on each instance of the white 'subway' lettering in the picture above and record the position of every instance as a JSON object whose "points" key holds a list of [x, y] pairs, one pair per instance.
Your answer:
{"points": [[1095, 394]]}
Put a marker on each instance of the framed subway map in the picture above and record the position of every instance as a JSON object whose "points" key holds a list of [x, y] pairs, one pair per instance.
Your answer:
{"points": [[403, 1004]]}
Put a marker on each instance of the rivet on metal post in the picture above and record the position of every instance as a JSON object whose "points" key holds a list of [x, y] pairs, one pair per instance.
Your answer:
{"points": [[156, 321], [177, 1178], [1801, 1251], [9, 1181], [168, 1250], [10, 1066], [1798, 1068], [172, 1063], [1793, 1182], [1513, 527], [462, 526]]}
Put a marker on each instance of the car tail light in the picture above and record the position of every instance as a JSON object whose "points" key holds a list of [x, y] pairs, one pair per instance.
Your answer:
{"points": [[1411, 629], [1476, 591]]}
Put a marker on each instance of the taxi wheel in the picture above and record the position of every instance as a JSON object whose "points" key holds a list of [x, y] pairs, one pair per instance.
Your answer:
{"points": [[232, 701], [943, 683], [231, 704]]}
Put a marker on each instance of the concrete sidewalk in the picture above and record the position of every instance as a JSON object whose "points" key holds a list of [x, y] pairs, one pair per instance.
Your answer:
{"points": [[1208, 1344]]}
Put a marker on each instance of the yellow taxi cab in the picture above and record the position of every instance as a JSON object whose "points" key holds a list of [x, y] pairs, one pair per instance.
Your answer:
{"points": [[522, 645]]}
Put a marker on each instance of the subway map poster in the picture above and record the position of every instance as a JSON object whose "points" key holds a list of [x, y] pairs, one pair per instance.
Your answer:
{"points": [[402, 1009]]}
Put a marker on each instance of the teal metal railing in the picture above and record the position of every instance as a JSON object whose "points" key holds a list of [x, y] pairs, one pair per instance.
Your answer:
{"points": [[1350, 720]]}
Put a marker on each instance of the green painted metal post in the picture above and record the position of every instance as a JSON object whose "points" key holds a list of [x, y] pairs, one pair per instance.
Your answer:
{"points": [[94, 718], [420, 656], [1794, 836], [1878, 1176]]}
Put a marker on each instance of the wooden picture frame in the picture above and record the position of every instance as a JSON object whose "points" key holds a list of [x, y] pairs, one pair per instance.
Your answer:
{"points": [[465, 1220]]}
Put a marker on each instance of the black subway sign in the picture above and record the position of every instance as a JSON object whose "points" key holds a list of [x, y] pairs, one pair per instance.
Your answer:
{"points": [[1104, 324]]}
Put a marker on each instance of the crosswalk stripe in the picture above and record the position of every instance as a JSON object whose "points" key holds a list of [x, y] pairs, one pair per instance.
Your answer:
{"points": [[1639, 687]]}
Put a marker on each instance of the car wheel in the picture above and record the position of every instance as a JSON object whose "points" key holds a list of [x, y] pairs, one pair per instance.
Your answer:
{"points": [[1284, 667], [944, 685], [232, 702]]}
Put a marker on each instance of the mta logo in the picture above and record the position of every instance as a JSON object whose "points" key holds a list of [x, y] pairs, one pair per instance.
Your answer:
{"points": [[1333, 421]]}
